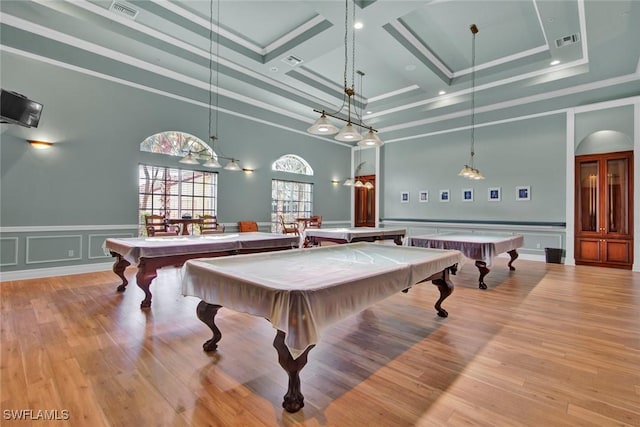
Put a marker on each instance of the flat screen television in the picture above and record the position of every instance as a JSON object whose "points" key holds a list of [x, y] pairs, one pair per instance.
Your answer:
{"points": [[18, 109]]}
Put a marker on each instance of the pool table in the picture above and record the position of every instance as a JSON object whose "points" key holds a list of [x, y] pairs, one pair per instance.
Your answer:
{"points": [[302, 292], [313, 236], [482, 248], [151, 253]]}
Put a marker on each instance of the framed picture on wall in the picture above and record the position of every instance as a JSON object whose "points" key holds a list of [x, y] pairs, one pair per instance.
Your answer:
{"points": [[404, 197], [523, 192], [423, 196], [467, 195], [495, 195], [444, 195]]}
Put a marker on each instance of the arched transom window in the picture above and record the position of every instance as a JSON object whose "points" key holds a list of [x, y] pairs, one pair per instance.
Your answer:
{"points": [[174, 143], [292, 164]]}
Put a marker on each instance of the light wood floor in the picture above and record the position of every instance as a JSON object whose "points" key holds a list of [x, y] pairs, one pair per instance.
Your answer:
{"points": [[547, 345]]}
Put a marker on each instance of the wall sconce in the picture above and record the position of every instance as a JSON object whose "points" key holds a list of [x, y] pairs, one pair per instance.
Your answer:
{"points": [[40, 145], [248, 170], [335, 181]]}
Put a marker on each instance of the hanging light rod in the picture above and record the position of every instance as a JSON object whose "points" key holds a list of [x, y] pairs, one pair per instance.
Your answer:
{"points": [[193, 157], [322, 126], [469, 171], [212, 158]]}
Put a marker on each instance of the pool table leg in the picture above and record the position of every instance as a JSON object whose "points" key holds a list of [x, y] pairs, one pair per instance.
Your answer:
{"points": [[293, 400], [207, 314], [482, 268], [514, 255], [147, 271], [445, 286], [119, 267]]}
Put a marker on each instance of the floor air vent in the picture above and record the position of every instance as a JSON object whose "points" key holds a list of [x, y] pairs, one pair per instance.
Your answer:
{"points": [[123, 9], [567, 40]]}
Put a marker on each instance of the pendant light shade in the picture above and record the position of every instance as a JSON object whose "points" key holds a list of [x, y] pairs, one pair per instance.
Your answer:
{"points": [[322, 126], [348, 134], [370, 139], [348, 182], [232, 166], [189, 159], [358, 184], [465, 171], [212, 163], [368, 185]]}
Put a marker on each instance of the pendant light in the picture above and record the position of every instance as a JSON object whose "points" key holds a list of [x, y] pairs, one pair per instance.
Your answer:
{"points": [[350, 132], [212, 161], [469, 171]]}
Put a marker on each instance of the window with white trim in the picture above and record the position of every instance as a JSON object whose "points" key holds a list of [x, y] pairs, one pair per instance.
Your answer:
{"points": [[174, 192], [291, 199]]}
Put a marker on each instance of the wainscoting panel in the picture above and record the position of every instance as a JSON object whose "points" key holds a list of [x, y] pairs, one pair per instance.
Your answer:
{"points": [[95, 247], [42, 249], [536, 237], [8, 251]]}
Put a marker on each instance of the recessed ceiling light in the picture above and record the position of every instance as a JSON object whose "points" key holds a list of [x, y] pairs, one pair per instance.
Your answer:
{"points": [[555, 62], [273, 69], [369, 112], [442, 92], [358, 25], [410, 67]]}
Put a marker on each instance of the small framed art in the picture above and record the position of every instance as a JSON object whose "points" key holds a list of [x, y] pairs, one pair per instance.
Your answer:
{"points": [[404, 197], [444, 195], [467, 195], [523, 192], [495, 194], [423, 196]]}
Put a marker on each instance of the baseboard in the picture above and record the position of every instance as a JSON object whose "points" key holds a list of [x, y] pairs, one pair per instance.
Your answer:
{"points": [[38, 273]]}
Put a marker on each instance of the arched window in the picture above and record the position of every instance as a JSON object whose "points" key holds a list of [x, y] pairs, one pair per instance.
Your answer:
{"points": [[292, 164], [290, 199], [175, 143], [174, 192]]}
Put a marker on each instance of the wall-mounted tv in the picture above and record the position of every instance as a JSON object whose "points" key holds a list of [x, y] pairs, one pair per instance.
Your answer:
{"points": [[18, 109]]}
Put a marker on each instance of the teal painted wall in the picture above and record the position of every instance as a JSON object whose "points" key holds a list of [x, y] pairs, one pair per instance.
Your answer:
{"points": [[90, 175], [87, 182], [521, 153]]}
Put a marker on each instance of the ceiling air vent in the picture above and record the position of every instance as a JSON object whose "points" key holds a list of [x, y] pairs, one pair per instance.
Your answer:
{"points": [[292, 60], [567, 40], [123, 9]]}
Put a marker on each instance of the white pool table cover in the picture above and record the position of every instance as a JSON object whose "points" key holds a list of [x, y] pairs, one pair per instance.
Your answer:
{"points": [[132, 249], [302, 292], [480, 247]]}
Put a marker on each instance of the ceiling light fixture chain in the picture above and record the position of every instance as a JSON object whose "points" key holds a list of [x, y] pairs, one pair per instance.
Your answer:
{"points": [[212, 158], [322, 126], [474, 31], [469, 170]]}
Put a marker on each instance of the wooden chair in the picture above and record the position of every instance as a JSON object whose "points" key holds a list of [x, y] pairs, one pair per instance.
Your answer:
{"points": [[315, 221], [244, 226], [288, 227], [210, 225], [157, 226]]}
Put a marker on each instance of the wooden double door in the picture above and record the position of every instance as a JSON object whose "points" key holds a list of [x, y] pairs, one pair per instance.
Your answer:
{"points": [[365, 202], [604, 210]]}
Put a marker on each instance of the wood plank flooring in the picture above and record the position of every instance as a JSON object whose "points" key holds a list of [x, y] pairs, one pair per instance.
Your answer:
{"points": [[546, 345]]}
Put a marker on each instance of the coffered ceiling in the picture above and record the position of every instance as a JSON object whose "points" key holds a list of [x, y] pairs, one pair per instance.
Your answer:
{"points": [[276, 61]]}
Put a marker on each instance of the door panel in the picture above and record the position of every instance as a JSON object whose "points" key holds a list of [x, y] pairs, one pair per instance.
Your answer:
{"points": [[588, 250], [617, 251], [365, 202]]}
